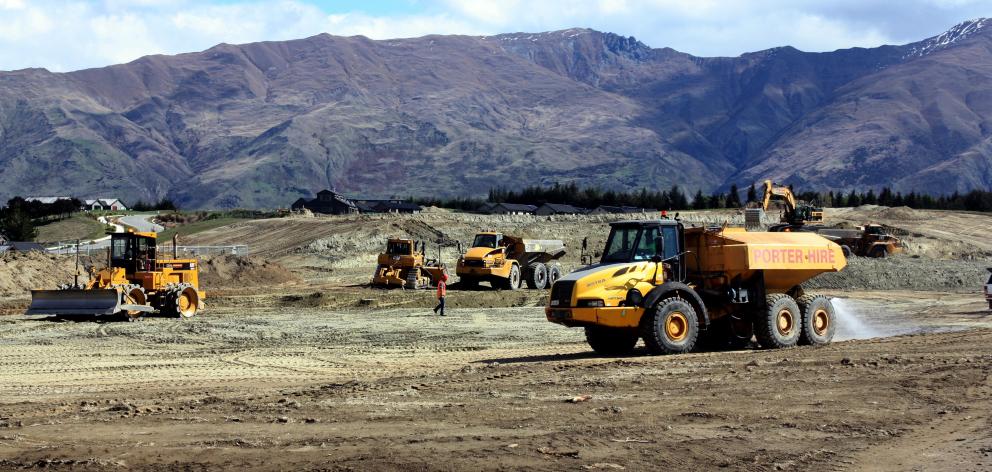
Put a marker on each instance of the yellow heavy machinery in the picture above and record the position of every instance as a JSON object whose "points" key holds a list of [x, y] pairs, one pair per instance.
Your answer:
{"points": [[403, 265], [504, 261], [136, 281], [675, 287], [870, 240], [796, 212]]}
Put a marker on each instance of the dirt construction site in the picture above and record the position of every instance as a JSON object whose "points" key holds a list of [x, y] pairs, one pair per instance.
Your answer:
{"points": [[297, 363]]}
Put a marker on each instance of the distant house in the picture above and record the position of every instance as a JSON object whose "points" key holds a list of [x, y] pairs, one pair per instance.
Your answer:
{"points": [[398, 207], [486, 208], [512, 209], [387, 206], [327, 202], [97, 204], [607, 210], [46, 200], [558, 209]]}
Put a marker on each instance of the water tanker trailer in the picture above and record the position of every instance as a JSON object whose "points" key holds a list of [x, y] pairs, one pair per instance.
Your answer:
{"points": [[677, 288]]}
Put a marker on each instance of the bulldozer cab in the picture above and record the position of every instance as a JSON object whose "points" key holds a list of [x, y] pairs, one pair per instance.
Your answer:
{"points": [[399, 247], [133, 252]]}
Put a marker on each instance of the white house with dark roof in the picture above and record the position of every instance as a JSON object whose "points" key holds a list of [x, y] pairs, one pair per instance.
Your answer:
{"points": [[112, 204]]}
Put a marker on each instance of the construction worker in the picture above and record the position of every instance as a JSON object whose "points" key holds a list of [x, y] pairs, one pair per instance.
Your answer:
{"points": [[442, 291]]}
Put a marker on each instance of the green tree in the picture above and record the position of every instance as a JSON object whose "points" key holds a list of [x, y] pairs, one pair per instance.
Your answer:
{"points": [[17, 225], [752, 194]]}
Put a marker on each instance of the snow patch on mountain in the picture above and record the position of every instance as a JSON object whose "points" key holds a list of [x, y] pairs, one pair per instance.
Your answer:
{"points": [[958, 33]]}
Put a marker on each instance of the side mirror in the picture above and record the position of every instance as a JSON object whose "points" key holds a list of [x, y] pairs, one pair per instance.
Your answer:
{"points": [[659, 249]]}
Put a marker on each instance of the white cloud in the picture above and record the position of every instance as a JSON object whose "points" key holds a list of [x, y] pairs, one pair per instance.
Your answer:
{"points": [[73, 34]]}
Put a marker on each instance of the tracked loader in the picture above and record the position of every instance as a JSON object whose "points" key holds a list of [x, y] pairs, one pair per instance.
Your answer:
{"points": [[404, 265], [136, 281], [677, 288], [505, 261]]}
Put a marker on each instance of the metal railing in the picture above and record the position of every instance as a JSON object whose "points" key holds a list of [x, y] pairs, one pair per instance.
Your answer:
{"points": [[164, 251]]}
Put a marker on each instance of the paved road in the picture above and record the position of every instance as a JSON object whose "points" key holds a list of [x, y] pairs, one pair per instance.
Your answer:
{"points": [[141, 223]]}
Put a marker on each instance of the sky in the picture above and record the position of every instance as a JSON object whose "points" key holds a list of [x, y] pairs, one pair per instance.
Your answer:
{"points": [[64, 35]]}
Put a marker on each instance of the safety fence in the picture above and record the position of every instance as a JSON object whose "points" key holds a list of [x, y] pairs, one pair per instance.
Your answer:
{"points": [[164, 251]]}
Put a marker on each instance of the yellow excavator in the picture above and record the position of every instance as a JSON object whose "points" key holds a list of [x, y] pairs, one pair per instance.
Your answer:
{"points": [[136, 281], [797, 213]]}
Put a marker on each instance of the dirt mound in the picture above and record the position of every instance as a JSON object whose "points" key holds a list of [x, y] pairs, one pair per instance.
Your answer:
{"points": [[22, 271], [905, 273], [900, 214], [229, 271]]}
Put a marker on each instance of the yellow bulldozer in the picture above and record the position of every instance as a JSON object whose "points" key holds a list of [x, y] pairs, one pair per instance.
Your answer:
{"points": [[136, 281], [405, 265], [504, 261], [677, 288]]}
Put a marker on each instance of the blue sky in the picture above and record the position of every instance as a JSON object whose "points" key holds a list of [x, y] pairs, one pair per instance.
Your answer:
{"points": [[64, 35]]}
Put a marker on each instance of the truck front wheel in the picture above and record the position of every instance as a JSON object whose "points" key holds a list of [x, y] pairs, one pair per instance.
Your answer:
{"points": [[779, 324], [512, 281], [611, 341], [671, 327]]}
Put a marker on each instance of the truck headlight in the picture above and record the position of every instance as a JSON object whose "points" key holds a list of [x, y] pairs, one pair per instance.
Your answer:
{"points": [[591, 303]]}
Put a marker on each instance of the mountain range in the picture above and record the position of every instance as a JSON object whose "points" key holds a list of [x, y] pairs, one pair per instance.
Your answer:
{"points": [[259, 125]]}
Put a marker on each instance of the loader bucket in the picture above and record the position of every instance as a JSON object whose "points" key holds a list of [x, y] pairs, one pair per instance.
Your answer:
{"points": [[78, 302]]}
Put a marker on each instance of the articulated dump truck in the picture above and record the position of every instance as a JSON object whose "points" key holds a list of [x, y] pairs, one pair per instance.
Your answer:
{"points": [[136, 281], [678, 288], [504, 261]]}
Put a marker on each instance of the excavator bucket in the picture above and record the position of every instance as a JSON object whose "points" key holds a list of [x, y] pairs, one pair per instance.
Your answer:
{"points": [[79, 302]]}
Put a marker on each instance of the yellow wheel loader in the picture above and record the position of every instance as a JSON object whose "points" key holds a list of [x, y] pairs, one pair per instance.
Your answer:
{"points": [[403, 265], [505, 261], [677, 288], [136, 281]]}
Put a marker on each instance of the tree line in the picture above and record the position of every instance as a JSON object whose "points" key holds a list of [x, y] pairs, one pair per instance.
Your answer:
{"points": [[17, 219], [675, 199]]}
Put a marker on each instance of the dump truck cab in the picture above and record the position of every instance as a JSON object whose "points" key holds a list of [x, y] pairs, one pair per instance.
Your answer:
{"points": [[673, 286], [505, 261]]}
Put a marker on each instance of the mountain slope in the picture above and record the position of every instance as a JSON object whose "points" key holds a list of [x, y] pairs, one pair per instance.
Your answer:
{"points": [[261, 124]]}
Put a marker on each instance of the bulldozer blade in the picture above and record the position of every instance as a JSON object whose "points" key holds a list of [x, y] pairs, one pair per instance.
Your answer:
{"points": [[78, 302]]}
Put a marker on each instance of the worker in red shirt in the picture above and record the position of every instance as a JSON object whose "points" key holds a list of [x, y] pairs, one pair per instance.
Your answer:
{"points": [[442, 291]]}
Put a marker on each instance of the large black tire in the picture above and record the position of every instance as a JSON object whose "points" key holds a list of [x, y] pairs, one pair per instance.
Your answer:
{"points": [[878, 252], [670, 327], [779, 324], [468, 283], [847, 251], [818, 320], [611, 341], [554, 273], [537, 276], [513, 281]]}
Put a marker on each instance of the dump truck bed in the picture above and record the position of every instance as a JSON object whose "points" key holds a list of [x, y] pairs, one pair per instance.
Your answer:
{"points": [[786, 259]]}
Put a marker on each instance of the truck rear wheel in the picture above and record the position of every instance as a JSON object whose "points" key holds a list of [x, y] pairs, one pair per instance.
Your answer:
{"points": [[554, 273], [537, 276], [611, 341], [779, 325], [512, 281], [817, 319], [671, 327]]}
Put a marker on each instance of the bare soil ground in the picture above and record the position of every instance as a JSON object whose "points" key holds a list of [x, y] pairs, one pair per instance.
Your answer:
{"points": [[489, 389], [297, 365]]}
